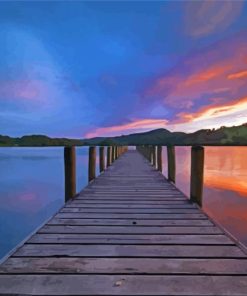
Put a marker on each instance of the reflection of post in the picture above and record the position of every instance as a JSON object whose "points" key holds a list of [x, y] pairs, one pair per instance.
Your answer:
{"points": [[101, 159], [91, 163], [109, 161], [196, 179], [70, 172], [171, 163], [159, 158]]}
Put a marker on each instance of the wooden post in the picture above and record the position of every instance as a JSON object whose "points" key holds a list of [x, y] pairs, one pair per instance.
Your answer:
{"points": [[171, 163], [154, 156], [150, 153], [109, 155], [115, 152], [196, 177], [101, 159], [159, 158], [112, 154], [91, 163], [70, 172]]}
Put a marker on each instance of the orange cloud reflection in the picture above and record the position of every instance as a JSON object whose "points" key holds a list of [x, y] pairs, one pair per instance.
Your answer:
{"points": [[225, 169]]}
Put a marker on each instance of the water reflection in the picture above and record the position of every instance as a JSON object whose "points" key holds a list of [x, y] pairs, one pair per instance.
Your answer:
{"points": [[32, 189], [225, 185]]}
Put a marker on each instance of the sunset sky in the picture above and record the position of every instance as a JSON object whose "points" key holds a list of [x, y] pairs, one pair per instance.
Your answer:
{"points": [[84, 69]]}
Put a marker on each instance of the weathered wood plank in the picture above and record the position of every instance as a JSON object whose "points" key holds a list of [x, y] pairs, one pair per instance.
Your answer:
{"points": [[123, 285], [133, 229], [151, 239], [131, 216], [130, 211], [174, 251], [124, 266], [129, 206], [114, 202], [122, 222]]}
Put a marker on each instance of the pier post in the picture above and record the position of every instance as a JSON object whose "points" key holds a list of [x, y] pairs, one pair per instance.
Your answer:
{"points": [[155, 157], [171, 163], [113, 154], [91, 163], [150, 154], [101, 159], [109, 155], [70, 172], [159, 158], [196, 177]]}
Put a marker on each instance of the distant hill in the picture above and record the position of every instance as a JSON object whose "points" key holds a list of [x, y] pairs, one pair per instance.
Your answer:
{"points": [[236, 135]]}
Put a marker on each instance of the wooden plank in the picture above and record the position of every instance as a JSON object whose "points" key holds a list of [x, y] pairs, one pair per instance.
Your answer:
{"points": [[124, 266], [125, 222], [129, 211], [130, 206], [174, 251], [130, 216], [114, 202], [131, 239], [123, 285], [132, 197], [130, 230]]}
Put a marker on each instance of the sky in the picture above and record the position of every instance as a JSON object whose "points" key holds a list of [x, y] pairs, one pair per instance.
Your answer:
{"points": [[85, 69]]}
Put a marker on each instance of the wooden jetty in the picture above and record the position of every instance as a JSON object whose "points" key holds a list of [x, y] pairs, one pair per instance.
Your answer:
{"points": [[129, 232]]}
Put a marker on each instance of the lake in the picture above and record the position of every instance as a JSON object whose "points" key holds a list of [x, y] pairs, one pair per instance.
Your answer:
{"points": [[225, 185], [32, 187]]}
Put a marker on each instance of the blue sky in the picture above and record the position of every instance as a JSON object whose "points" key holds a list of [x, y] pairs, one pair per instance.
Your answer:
{"points": [[80, 69]]}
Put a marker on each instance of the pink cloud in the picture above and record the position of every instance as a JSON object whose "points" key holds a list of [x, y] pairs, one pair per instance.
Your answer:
{"points": [[27, 90], [134, 126]]}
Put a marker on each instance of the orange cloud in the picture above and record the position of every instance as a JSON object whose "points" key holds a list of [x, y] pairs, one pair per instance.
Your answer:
{"points": [[211, 112], [205, 78], [135, 125], [241, 74]]}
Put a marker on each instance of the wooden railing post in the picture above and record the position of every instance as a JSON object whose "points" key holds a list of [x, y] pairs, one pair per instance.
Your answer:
{"points": [[109, 155], [150, 153], [112, 153], [154, 156], [70, 172], [115, 152], [171, 163], [159, 158], [91, 163], [101, 159], [196, 177]]}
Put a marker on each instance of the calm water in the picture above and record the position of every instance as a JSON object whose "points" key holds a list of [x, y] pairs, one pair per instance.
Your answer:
{"points": [[225, 185], [32, 189], [32, 180]]}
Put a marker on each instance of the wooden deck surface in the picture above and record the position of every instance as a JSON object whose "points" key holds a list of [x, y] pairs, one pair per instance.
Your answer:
{"points": [[130, 232]]}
